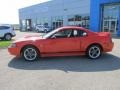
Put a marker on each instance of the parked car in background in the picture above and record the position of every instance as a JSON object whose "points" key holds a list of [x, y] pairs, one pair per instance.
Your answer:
{"points": [[65, 41], [6, 32], [42, 28]]}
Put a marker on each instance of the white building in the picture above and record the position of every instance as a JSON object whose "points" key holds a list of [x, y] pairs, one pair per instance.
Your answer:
{"points": [[98, 15], [56, 13]]}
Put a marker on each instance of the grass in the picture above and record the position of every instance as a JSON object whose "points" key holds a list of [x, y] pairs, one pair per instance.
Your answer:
{"points": [[4, 44]]}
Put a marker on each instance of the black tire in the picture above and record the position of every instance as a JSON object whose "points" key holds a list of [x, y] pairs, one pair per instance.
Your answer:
{"points": [[94, 52], [45, 31], [32, 55], [2, 39], [37, 31], [8, 37]]}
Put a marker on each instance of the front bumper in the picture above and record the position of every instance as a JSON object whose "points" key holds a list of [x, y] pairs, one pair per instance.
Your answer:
{"points": [[14, 51], [14, 35]]}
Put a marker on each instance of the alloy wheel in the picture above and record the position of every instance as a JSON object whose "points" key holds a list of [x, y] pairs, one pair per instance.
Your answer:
{"points": [[30, 54], [94, 52]]}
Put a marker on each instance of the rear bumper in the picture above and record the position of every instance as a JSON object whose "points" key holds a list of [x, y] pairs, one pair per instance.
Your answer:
{"points": [[108, 47], [14, 35]]}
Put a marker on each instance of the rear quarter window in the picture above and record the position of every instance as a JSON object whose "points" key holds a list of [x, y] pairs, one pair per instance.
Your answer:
{"points": [[80, 33]]}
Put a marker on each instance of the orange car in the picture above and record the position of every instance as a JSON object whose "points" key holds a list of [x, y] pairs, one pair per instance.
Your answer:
{"points": [[65, 41]]}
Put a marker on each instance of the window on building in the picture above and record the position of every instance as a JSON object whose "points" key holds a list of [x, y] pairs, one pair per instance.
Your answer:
{"points": [[57, 22], [79, 20], [42, 21], [110, 18]]}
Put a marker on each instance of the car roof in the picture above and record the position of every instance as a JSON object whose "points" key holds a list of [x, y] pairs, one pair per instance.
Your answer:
{"points": [[39, 25], [75, 27], [5, 25]]}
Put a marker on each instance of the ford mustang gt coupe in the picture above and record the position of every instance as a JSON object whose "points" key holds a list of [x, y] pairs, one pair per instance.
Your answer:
{"points": [[64, 41]]}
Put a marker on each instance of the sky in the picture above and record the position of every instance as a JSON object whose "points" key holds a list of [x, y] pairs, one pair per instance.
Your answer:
{"points": [[9, 9]]}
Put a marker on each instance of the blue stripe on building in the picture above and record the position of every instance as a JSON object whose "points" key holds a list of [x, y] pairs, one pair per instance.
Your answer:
{"points": [[96, 14]]}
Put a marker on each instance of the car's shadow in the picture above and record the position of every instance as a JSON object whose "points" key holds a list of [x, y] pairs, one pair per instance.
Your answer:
{"points": [[107, 62]]}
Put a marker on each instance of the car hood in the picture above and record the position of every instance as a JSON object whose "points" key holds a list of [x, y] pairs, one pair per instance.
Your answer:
{"points": [[29, 38]]}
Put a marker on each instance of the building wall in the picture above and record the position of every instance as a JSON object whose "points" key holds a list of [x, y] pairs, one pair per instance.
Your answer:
{"points": [[95, 14], [55, 8]]}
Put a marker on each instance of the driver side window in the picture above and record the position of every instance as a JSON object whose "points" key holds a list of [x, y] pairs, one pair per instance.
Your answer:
{"points": [[63, 34]]}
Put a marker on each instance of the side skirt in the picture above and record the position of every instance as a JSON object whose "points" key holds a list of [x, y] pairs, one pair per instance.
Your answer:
{"points": [[62, 54]]}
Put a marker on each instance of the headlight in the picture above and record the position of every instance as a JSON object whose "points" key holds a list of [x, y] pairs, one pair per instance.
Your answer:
{"points": [[13, 45]]}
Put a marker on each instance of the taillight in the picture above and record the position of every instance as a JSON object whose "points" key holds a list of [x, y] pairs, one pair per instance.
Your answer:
{"points": [[110, 38]]}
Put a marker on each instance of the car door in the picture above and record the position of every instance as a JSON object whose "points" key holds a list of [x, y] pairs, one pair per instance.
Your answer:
{"points": [[3, 31], [64, 42]]}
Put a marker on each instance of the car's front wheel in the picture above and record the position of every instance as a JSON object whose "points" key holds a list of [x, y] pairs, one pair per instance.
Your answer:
{"points": [[94, 52], [30, 53]]}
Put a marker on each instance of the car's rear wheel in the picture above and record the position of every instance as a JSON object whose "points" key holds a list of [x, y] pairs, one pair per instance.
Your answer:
{"points": [[94, 52], [8, 37], [30, 53]]}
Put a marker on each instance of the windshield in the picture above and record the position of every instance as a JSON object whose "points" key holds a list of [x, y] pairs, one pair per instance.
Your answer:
{"points": [[50, 33]]}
